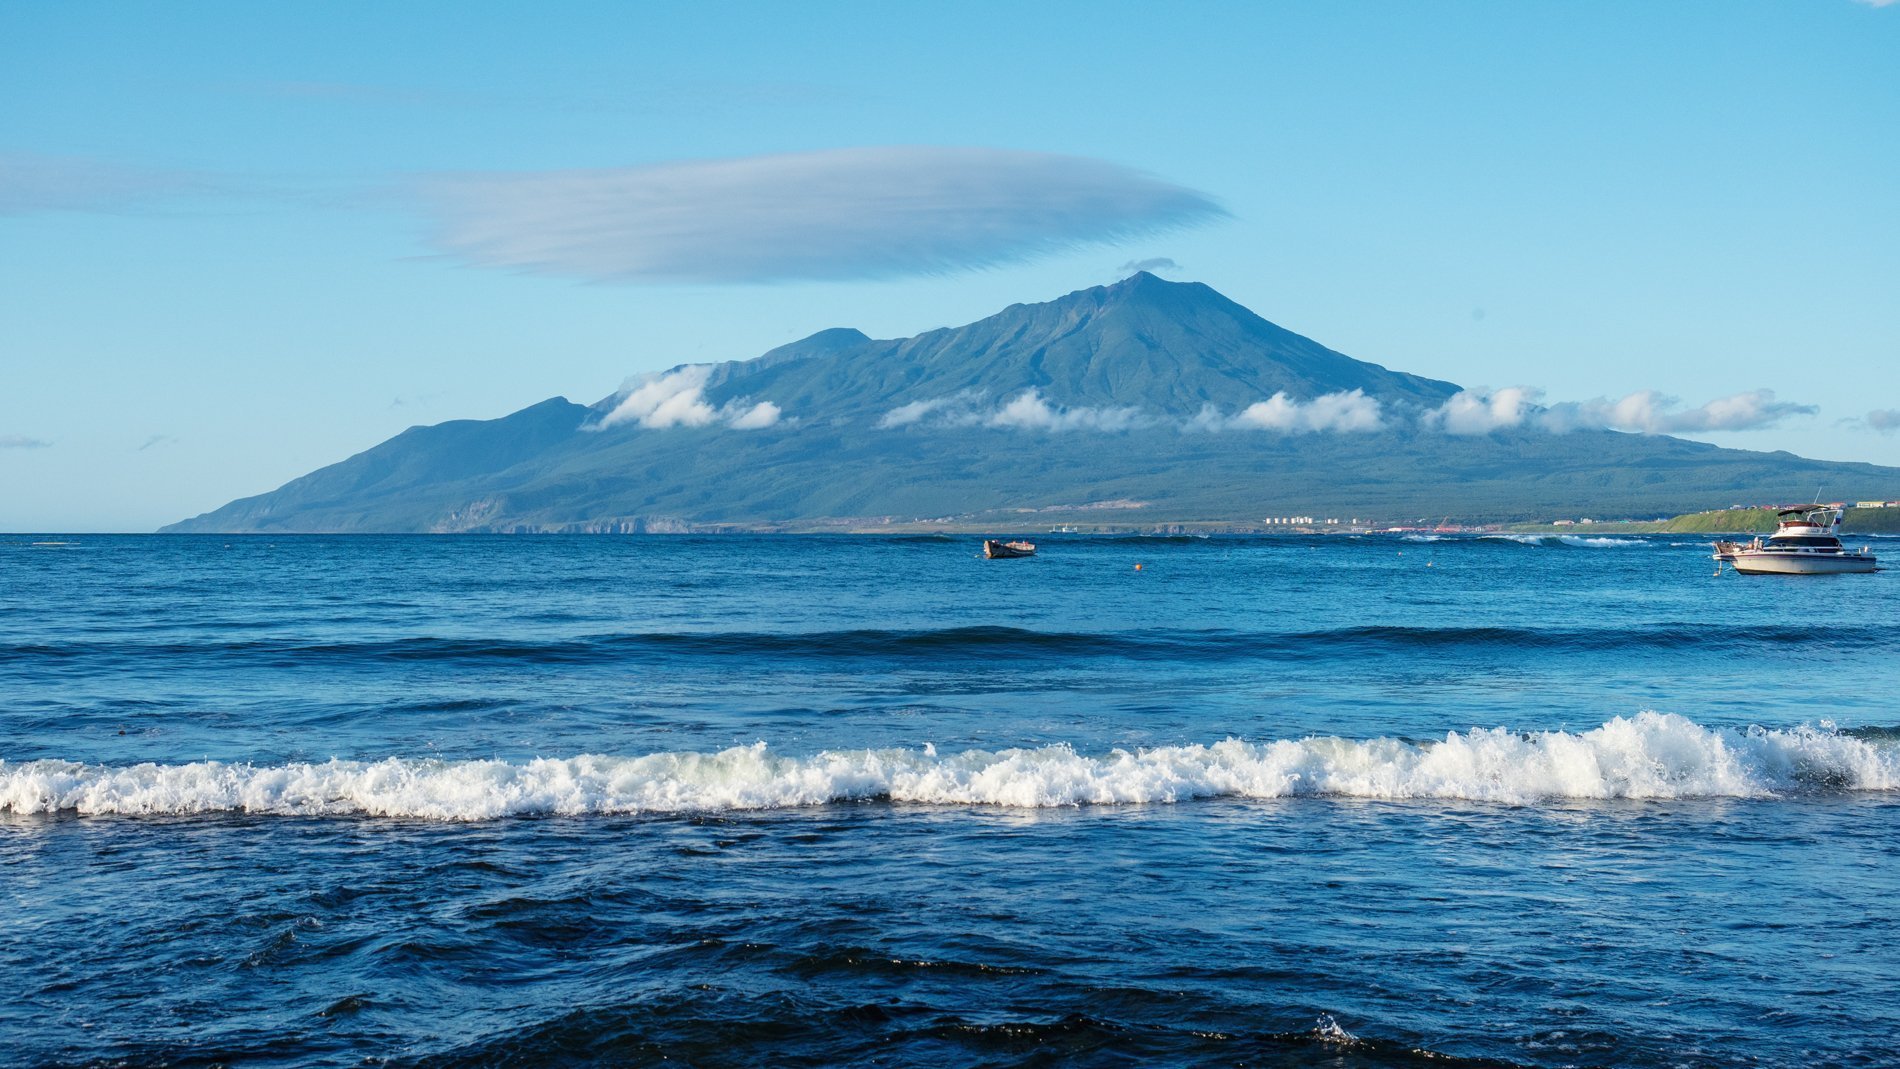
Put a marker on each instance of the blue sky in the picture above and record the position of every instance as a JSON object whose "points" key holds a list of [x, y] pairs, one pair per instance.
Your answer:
{"points": [[241, 241]]}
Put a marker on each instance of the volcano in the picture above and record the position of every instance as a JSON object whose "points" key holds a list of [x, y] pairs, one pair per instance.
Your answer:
{"points": [[1146, 404]]}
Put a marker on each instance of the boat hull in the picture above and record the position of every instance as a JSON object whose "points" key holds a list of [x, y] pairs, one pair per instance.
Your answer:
{"points": [[1008, 550], [1801, 563]]}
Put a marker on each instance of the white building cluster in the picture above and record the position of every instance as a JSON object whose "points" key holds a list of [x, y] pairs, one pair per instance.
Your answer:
{"points": [[1305, 521]]}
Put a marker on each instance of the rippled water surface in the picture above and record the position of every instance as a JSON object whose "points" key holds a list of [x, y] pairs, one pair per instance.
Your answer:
{"points": [[814, 801]]}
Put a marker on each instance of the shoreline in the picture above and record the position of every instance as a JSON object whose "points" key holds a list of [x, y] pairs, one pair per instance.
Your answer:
{"points": [[1720, 522]]}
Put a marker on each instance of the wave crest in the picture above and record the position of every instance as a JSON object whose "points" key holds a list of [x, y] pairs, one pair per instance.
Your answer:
{"points": [[985, 642], [1648, 756]]}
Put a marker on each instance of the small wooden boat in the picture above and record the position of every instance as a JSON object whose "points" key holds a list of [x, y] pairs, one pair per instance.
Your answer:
{"points": [[1004, 550]]}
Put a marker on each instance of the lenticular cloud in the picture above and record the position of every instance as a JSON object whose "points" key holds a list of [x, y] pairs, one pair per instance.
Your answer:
{"points": [[841, 214]]}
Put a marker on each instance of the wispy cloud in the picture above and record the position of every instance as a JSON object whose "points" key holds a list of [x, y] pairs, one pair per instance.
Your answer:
{"points": [[669, 97], [1878, 3], [1349, 411], [1028, 411], [1650, 412], [860, 213], [157, 440], [1473, 412], [21, 441], [363, 93], [1155, 263], [1884, 420], [961, 405], [677, 398], [31, 183]]}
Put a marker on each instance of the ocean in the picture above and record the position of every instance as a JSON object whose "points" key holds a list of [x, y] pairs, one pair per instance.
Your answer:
{"points": [[811, 801]]}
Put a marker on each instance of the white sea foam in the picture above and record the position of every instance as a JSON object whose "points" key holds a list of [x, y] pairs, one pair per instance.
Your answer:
{"points": [[1580, 541], [1648, 756]]}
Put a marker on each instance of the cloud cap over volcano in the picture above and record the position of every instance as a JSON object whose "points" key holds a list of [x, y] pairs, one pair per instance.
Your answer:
{"points": [[858, 213]]}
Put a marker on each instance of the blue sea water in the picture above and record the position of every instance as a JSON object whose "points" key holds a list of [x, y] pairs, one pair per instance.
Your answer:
{"points": [[1353, 801]]}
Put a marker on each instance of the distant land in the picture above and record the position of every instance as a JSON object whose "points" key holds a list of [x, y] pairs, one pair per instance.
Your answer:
{"points": [[1146, 405], [1854, 521]]}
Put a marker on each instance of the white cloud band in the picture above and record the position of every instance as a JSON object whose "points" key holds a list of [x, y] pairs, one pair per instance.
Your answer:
{"points": [[1473, 412], [1028, 411], [1347, 412]]}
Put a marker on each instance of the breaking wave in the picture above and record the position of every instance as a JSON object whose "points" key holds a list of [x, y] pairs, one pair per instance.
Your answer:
{"points": [[1648, 756], [1577, 541]]}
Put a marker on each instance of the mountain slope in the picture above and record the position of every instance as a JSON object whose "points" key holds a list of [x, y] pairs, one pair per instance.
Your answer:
{"points": [[1169, 352]]}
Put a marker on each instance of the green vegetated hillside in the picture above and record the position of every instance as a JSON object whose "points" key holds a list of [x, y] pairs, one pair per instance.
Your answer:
{"points": [[1114, 407], [1762, 521]]}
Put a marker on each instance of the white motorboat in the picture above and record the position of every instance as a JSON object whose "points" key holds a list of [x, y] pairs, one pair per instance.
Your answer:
{"points": [[1806, 542]]}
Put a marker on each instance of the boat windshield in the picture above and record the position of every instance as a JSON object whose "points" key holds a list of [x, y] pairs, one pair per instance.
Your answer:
{"points": [[1819, 542]]}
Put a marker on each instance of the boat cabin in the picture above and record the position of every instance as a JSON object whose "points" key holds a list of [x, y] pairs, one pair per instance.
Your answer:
{"points": [[1808, 529]]}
